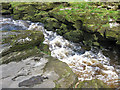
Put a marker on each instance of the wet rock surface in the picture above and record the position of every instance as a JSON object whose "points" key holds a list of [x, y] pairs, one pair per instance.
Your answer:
{"points": [[43, 73], [19, 43], [24, 63], [102, 18], [92, 64], [99, 21]]}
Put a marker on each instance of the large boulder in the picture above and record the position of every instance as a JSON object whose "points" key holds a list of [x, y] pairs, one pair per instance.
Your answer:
{"points": [[24, 39], [16, 41], [26, 62], [36, 71]]}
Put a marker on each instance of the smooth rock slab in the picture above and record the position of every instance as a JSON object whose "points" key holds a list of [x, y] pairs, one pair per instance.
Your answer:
{"points": [[45, 72]]}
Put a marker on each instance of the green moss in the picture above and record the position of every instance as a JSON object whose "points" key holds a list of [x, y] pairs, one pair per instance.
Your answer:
{"points": [[6, 6], [19, 55], [111, 34], [78, 24], [45, 48], [65, 16], [6, 9], [51, 23], [63, 29], [96, 44], [25, 40], [75, 36], [118, 39]]}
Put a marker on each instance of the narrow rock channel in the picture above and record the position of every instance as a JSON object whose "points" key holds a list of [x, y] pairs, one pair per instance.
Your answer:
{"points": [[87, 65]]}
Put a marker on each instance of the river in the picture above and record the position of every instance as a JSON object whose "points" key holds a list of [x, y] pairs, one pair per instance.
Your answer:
{"points": [[87, 65]]}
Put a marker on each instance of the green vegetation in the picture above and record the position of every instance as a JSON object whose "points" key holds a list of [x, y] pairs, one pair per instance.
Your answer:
{"points": [[19, 55], [87, 22], [25, 40], [22, 43]]}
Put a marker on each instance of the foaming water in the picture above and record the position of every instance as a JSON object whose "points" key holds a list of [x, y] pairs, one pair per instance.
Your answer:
{"points": [[87, 66], [9, 24]]}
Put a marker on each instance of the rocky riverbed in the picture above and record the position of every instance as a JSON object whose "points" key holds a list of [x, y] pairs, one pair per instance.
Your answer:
{"points": [[23, 60], [25, 64], [39, 71], [64, 50]]}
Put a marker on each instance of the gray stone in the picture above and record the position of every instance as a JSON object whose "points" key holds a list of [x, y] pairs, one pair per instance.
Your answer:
{"points": [[45, 72], [11, 69], [6, 82], [51, 75]]}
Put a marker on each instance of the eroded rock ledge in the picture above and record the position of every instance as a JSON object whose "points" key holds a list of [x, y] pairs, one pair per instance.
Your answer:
{"points": [[45, 70], [39, 71], [91, 23], [25, 64]]}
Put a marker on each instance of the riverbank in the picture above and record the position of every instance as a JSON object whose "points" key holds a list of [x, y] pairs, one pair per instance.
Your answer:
{"points": [[92, 23], [75, 21], [72, 20], [26, 48]]}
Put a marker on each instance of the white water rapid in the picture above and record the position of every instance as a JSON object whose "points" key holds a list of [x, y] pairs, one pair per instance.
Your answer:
{"points": [[87, 66]]}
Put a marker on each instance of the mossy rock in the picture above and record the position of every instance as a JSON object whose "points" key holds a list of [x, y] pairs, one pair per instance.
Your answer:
{"points": [[78, 24], [45, 48], [111, 35], [75, 36], [19, 55], [58, 17], [51, 23], [96, 20], [41, 16], [25, 40], [89, 38], [24, 11], [6, 6], [63, 29], [93, 84], [66, 76], [5, 12], [6, 9], [58, 74], [22, 44], [32, 11], [96, 44], [63, 17], [118, 39]]}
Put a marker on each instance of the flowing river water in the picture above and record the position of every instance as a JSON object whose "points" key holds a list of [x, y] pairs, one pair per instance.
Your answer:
{"points": [[88, 65]]}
